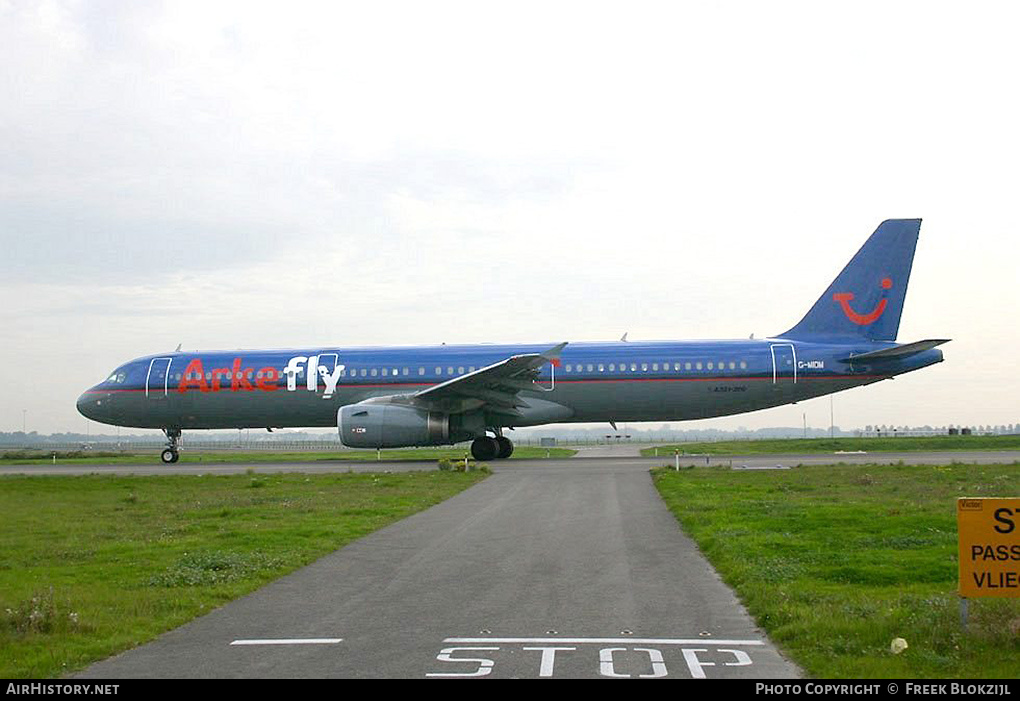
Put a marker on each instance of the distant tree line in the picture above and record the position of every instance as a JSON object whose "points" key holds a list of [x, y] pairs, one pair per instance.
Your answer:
{"points": [[564, 433]]}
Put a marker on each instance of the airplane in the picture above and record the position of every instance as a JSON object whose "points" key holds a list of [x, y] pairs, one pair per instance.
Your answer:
{"points": [[441, 395]]}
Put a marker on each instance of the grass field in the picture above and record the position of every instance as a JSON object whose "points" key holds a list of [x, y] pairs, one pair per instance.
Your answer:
{"points": [[39, 457], [90, 566], [795, 446], [835, 562]]}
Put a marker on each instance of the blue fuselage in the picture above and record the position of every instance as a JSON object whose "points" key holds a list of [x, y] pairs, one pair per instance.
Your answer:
{"points": [[590, 382]]}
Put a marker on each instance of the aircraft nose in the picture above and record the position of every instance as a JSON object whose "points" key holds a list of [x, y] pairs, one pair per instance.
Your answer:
{"points": [[81, 404], [87, 405]]}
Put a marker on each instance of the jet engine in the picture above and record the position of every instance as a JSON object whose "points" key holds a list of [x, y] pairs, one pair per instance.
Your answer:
{"points": [[383, 425]]}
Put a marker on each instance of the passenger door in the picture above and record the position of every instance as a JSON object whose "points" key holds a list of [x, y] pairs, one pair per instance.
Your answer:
{"points": [[784, 364], [158, 380]]}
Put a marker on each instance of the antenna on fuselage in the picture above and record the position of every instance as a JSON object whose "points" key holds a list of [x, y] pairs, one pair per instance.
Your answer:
{"points": [[624, 337], [178, 350]]}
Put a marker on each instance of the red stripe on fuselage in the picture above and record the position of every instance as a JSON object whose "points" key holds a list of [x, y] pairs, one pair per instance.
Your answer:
{"points": [[559, 381]]}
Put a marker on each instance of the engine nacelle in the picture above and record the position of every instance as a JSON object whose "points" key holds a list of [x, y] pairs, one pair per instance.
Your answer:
{"points": [[381, 425]]}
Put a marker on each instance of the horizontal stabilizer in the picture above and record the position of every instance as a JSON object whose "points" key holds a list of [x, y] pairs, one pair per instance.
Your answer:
{"points": [[898, 352]]}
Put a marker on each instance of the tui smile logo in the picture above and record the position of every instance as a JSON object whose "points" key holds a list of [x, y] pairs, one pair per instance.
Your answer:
{"points": [[844, 299]]}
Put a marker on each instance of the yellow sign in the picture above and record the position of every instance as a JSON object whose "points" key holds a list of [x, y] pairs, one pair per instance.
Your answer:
{"points": [[989, 533]]}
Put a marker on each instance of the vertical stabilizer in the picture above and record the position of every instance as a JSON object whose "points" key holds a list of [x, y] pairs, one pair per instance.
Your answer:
{"points": [[865, 301]]}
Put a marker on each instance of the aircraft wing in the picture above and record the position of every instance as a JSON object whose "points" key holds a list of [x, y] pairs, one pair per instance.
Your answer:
{"points": [[496, 387]]}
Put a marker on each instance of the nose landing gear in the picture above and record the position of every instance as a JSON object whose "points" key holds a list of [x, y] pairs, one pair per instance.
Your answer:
{"points": [[171, 453]]}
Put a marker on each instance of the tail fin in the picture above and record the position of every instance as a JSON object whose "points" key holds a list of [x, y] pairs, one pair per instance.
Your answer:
{"points": [[865, 301]]}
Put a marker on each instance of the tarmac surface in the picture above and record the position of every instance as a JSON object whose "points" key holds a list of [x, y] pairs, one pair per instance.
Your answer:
{"points": [[548, 568], [595, 457], [567, 568]]}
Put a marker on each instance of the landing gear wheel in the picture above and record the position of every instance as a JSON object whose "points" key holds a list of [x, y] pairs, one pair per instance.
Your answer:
{"points": [[506, 447], [484, 448], [171, 453]]}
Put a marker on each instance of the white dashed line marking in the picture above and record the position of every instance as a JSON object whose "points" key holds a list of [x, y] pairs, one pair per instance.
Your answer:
{"points": [[290, 641]]}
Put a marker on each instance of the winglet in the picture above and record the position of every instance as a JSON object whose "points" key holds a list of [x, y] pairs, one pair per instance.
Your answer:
{"points": [[554, 352]]}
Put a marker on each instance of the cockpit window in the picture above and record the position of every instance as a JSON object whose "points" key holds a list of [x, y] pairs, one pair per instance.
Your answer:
{"points": [[117, 377]]}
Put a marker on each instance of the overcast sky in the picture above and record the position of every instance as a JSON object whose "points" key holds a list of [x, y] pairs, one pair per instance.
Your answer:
{"points": [[244, 175]]}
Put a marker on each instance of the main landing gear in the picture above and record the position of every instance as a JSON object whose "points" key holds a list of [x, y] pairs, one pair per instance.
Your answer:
{"points": [[171, 453], [489, 448]]}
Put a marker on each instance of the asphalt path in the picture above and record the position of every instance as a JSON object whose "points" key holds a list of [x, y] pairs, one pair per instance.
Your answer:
{"points": [[567, 568], [548, 568]]}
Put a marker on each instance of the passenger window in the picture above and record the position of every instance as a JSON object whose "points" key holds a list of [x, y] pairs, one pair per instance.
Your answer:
{"points": [[602, 368], [733, 366], [421, 371], [711, 366], [384, 371], [698, 365], [655, 366], [633, 367], [374, 372], [743, 365], [612, 367]]}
